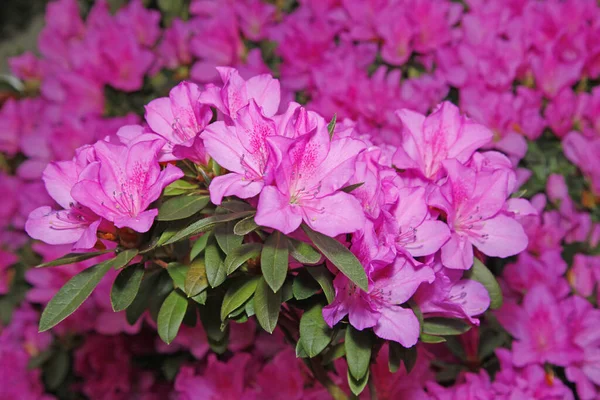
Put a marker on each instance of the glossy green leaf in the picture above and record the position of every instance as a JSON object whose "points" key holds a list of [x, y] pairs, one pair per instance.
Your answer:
{"points": [[72, 295], [340, 256], [399, 354], [274, 260], [171, 316], [304, 286], [315, 334], [425, 338], [181, 207], [72, 258], [325, 279], [237, 294], [180, 187], [351, 188], [444, 326], [195, 279], [358, 351], [126, 287], [331, 126], [482, 274], [124, 258], [245, 226], [141, 300], [227, 240], [204, 224], [211, 321], [332, 353], [357, 385], [266, 305], [178, 272], [57, 369], [300, 352], [199, 246], [216, 272], [201, 297], [240, 255], [164, 286], [303, 252]]}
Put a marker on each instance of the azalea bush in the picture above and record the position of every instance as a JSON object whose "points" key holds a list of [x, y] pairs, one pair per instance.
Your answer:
{"points": [[289, 200]]}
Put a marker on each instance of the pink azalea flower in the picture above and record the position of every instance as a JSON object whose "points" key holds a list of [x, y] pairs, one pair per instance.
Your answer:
{"points": [[75, 223], [179, 119], [10, 119], [6, 260], [530, 382], [419, 234], [583, 152], [124, 182], [254, 17], [243, 150], [174, 48], [308, 180], [539, 328], [236, 93], [282, 378], [143, 22], [220, 380], [380, 308], [473, 203], [428, 141], [451, 296]]}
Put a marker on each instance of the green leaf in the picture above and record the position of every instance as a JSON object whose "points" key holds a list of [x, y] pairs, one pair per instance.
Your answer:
{"points": [[332, 353], [211, 321], [358, 351], [325, 280], [140, 302], [331, 126], [274, 260], [300, 352], [171, 316], [240, 255], [357, 385], [304, 286], [123, 258], [234, 206], [340, 256], [178, 272], [482, 274], [249, 308], [444, 326], [303, 252], [205, 224], [201, 297], [164, 287], [126, 287], [315, 334], [215, 267], [245, 226], [72, 295], [425, 338], [227, 240], [57, 369], [195, 280], [266, 305], [351, 188], [398, 354], [72, 258], [181, 207], [179, 187], [199, 246], [237, 294]]}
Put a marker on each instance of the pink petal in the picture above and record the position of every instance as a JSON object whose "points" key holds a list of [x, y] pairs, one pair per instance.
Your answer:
{"points": [[500, 236], [140, 223], [430, 236], [398, 324], [233, 185], [335, 214], [275, 211], [265, 91], [457, 253]]}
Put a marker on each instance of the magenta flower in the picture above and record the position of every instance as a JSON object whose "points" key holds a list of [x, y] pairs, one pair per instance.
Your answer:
{"points": [[452, 297], [243, 150], [179, 119], [583, 152], [428, 141], [418, 233], [380, 307], [124, 182], [75, 223], [236, 93], [472, 203], [539, 328], [308, 180]]}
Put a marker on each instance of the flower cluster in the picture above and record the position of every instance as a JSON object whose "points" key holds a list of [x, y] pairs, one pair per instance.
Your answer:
{"points": [[334, 172]]}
